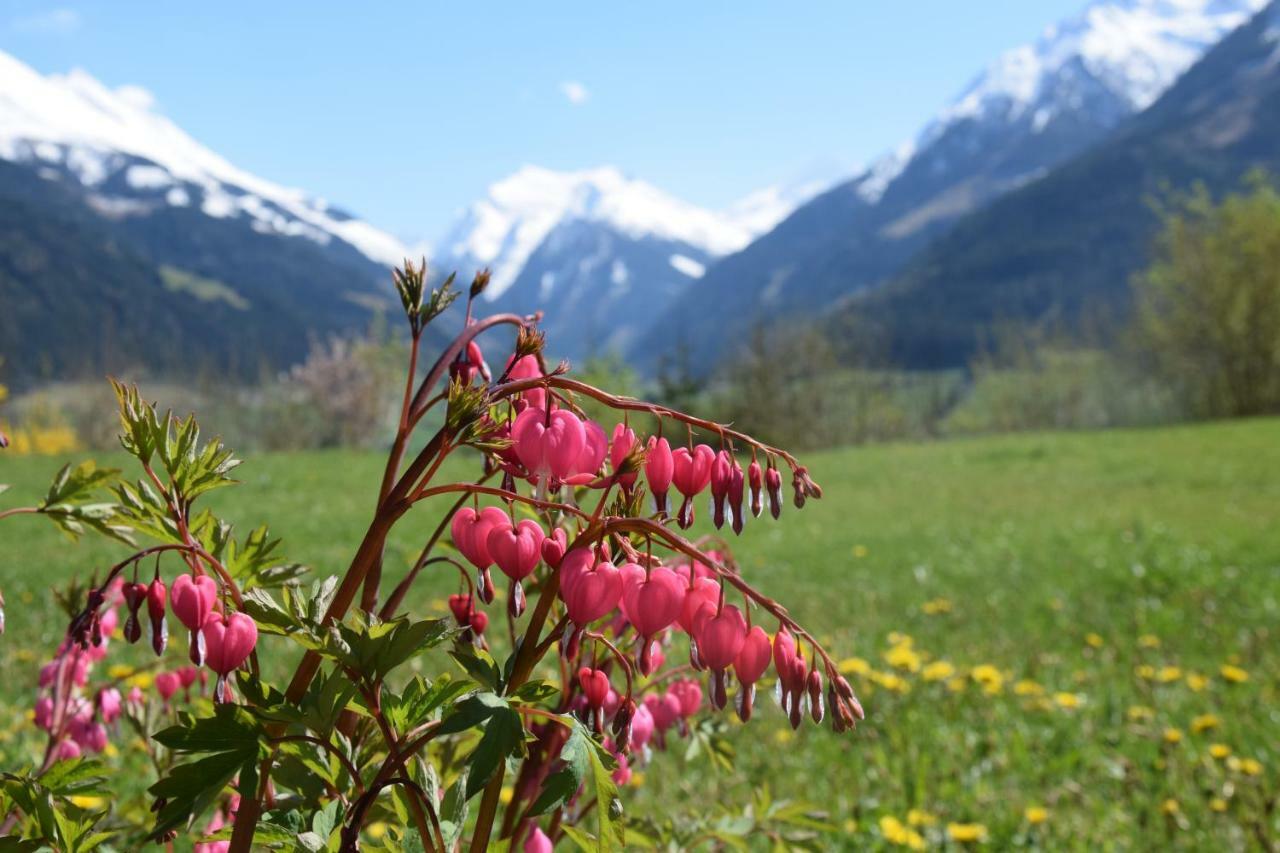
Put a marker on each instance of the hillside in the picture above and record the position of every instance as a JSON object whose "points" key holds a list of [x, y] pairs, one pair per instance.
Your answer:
{"points": [[1071, 241]]}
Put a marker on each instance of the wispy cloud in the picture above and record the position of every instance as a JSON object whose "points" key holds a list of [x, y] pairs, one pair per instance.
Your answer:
{"points": [[575, 92], [52, 22]]}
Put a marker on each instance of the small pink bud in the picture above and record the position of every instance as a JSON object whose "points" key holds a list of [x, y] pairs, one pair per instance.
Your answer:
{"points": [[156, 603], [167, 684], [537, 842], [773, 481], [659, 468]]}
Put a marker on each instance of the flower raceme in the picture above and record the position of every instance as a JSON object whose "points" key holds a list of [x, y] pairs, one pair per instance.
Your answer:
{"points": [[616, 584]]}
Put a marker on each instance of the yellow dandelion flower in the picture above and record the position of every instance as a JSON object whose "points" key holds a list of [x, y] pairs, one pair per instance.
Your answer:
{"points": [[782, 735], [850, 826], [1027, 687], [1204, 722], [637, 778], [965, 832], [1219, 750], [1036, 814], [110, 750], [1172, 735], [903, 656], [1094, 640], [1234, 674], [1067, 701], [936, 606], [505, 794], [957, 685], [85, 801], [920, 817], [1169, 673], [939, 670], [896, 832], [1140, 713], [141, 680], [1218, 804], [1251, 767], [859, 551], [991, 679], [1145, 672], [119, 671], [1170, 806], [1196, 681], [853, 666], [897, 638], [375, 830], [1149, 641]]}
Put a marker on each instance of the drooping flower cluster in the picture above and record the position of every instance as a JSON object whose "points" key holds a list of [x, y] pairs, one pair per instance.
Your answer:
{"points": [[220, 638]]}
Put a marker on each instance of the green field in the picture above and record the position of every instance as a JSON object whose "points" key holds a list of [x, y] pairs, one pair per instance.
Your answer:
{"points": [[1063, 622]]}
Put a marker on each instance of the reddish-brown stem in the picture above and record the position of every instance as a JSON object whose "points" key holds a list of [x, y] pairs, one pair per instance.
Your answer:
{"points": [[418, 406], [20, 510], [629, 404]]}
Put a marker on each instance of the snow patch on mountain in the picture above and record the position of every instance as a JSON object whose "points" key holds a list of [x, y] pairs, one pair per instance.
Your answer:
{"points": [[688, 266], [1135, 48], [94, 132]]}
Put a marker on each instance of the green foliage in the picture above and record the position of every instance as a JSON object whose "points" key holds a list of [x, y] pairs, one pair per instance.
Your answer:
{"points": [[1209, 305], [70, 503]]}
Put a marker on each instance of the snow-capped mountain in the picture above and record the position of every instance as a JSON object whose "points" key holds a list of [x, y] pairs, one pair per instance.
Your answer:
{"points": [[133, 158], [1031, 109], [503, 229], [129, 244], [599, 251]]}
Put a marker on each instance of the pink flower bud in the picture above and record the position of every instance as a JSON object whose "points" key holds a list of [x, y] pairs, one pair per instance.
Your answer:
{"points": [[721, 474], [471, 530], [538, 842], [659, 468], [167, 684], [553, 547], [736, 482], [110, 706], [773, 482], [156, 595], [624, 438]]}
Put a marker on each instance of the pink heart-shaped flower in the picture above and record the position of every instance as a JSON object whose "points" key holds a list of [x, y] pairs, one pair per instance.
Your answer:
{"points": [[754, 656], [703, 591], [720, 635], [192, 599], [228, 640], [653, 602], [517, 549], [592, 592], [692, 469], [471, 533], [549, 443], [594, 448]]}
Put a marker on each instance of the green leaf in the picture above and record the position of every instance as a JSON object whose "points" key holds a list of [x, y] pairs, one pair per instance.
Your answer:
{"points": [[421, 699], [232, 728], [189, 789], [78, 776], [453, 811], [471, 712], [564, 783], [503, 736], [480, 665], [374, 648], [612, 832]]}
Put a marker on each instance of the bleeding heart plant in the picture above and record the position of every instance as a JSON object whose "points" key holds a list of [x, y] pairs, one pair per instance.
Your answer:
{"points": [[587, 676]]}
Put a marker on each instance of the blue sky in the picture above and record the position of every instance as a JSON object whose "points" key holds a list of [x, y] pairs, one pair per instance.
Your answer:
{"points": [[404, 112]]}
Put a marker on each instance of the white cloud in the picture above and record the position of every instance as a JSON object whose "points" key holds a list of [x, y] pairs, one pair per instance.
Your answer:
{"points": [[53, 22], [575, 92]]}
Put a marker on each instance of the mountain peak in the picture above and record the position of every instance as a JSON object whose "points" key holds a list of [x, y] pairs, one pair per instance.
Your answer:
{"points": [[517, 213], [1134, 48], [92, 131]]}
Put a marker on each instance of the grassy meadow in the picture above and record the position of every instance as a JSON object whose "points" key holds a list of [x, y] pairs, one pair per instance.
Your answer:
{"points": [[1061, 640]]}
